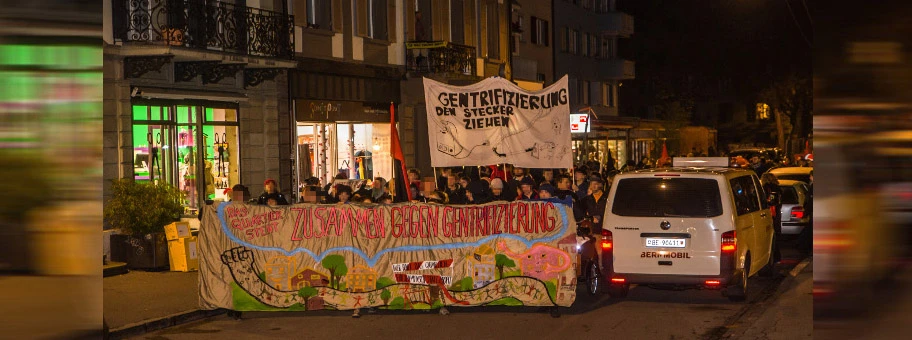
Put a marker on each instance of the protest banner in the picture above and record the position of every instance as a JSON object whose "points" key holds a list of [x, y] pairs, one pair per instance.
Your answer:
{"points": [[495, 121], [402, 256]]}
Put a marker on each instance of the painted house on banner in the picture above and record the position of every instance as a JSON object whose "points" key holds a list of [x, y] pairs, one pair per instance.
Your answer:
{"points": [[309, 278], [278, 271], [481, 265], [361, 279]]}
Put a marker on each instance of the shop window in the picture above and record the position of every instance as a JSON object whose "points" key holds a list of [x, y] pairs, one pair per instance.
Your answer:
{"points": [[169, 148]]}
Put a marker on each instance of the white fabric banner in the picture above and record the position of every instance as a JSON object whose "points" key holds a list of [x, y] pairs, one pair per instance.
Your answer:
{"points": [[495, 121]]}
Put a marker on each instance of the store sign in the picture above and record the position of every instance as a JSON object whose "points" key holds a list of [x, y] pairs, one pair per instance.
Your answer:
{"points": [[403, 256], [579, 123], [495, 121], [333, 111]]}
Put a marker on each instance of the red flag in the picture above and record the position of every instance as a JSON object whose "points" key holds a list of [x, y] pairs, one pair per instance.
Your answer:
{"points": [[396, 149], [664, 159]]}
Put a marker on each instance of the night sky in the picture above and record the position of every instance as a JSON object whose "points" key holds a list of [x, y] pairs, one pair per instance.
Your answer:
{"points": [[710, 49]]}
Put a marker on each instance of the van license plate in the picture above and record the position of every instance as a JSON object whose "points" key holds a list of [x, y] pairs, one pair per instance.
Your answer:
{"points": [[666, 242]]}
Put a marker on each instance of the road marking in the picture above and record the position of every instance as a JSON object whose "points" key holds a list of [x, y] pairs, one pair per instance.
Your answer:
{"points": [[804, 263]]}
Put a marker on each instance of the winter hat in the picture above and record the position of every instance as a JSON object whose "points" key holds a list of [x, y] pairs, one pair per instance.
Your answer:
{"points": [[269, 180], [497, 183], [527, 181], [549, 188]]}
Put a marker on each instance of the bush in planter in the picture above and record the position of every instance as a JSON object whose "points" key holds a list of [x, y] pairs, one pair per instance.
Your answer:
{"points": [[141, 211]]}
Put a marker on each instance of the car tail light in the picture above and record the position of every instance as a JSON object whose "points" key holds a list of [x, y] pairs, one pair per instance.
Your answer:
{"points": [[712, 283], [607, 240], [797, 212], [729, 242], [618, 280]]}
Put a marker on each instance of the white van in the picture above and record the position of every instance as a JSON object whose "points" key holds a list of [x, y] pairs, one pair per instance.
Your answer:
{"points": [[687, 226]]}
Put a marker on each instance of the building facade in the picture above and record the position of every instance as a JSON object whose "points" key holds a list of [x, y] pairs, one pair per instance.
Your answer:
{"points": [[195, 94], [350, 57], [456, 42], [586, 36], [531, 44]]}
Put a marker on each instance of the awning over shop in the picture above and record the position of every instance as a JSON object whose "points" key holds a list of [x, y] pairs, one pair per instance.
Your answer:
{"points": [[177, 94]]}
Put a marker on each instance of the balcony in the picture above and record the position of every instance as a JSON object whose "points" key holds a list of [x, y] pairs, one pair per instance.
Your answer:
{"points": [[440, 57], [618, 23], [618, 68], [205, 25]]}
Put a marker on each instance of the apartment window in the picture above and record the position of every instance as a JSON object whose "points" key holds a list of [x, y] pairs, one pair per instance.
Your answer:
{"points": [[604, 6], [493, 31], [596, 45], [565, 39], [574, 41], [539, 31], [319, 14], [609, 47], [608, 95], [457, 24], [585, 44], [585, 92], [423, 21], [370, 19]]}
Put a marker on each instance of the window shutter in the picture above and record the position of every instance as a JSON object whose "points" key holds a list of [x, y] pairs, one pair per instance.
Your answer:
{"points": [[300, 12], [545, 32], [361, 18], [337, 18], [533, 27], [391, 21]]}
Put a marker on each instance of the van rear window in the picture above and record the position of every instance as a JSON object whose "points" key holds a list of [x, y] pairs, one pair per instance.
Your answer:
{"points": [[667, 197]]}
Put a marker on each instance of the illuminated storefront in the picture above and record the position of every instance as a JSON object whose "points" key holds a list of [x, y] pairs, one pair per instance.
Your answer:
{"points": [[193, 147], [357, 144]]}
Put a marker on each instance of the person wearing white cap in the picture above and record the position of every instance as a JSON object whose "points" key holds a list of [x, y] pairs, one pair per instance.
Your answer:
{"points": [[497, 189]]}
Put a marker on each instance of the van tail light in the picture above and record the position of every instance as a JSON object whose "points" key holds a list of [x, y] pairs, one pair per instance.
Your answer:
{"points": [[618, 280], [729, 242], [712, 283], [607, 240], [797, 213]]}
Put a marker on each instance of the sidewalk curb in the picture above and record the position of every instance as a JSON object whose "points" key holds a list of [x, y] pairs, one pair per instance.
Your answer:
{"points": [[142, 327]]}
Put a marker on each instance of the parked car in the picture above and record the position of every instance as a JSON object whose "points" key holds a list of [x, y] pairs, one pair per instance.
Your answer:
{"points": [[793, 173], [795, 210], [702, 226]]}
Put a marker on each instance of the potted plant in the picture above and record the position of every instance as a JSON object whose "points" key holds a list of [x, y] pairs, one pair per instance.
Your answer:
{"points": [[141, 211]]}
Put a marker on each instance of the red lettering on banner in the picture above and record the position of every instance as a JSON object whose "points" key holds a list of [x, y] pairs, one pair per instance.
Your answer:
{"points": [[433, 227], [463, 223], [321, 215], [297, 225], [446, 221], [551, 221], [522, 216], [402, 278], [536, 221], [379, 224], [415, 222], [396, 219]]}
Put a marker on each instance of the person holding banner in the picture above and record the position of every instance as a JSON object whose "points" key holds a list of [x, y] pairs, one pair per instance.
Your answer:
{"points": [[343, 194], [527, 190], [454, 191], [271, 195]]}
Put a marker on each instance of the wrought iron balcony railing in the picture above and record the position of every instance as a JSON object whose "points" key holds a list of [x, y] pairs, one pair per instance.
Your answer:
{"points": [[206, 25], [440, 57]]}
